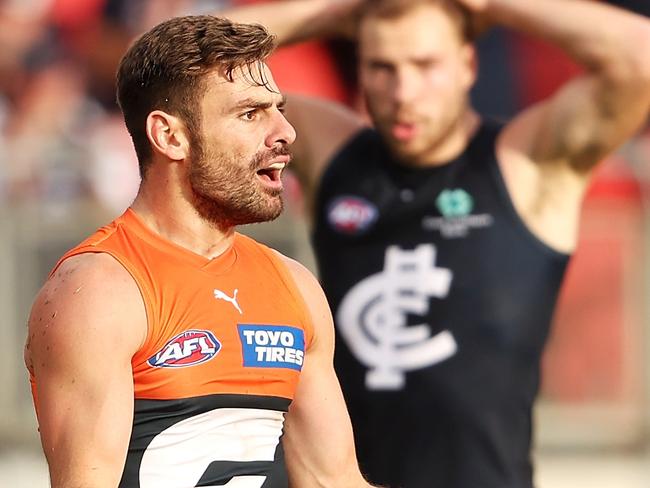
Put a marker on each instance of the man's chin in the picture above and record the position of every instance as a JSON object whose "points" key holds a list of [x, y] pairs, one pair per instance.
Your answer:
{"points": [[268, 214], [406, 151], [265, 210]]}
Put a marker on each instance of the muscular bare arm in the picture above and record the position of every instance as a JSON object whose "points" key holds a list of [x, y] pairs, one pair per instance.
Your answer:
{"points": [[86, 323], [548, 151], [318, 439]]}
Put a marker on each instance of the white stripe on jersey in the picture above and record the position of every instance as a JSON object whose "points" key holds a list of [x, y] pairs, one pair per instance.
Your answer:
{"points": [[179, 455]]}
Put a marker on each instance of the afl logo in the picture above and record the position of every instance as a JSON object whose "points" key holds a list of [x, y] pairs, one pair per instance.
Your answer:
{"points": [[187, 349], [351, 215]]}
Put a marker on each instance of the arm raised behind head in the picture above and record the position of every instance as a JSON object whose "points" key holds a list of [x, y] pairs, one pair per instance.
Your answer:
{"points": [[595, 113], [85, 325], [300, 20], [547, 152]]}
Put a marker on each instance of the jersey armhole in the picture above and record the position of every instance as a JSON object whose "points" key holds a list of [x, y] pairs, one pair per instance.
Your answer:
{"points": [[494, 131], [515, 219]]}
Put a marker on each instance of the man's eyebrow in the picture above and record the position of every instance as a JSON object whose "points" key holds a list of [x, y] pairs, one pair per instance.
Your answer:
{"points": [[424, 59], [252, 103]]}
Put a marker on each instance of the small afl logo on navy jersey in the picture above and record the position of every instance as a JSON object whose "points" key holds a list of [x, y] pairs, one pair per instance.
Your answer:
{"points": [[351, 214], [187, 349]]}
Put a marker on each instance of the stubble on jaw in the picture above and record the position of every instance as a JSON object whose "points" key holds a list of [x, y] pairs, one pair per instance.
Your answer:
{"points": [[227, 194]]}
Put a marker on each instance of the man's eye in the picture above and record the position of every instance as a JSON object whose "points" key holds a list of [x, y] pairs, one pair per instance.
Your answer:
{"points": [[428, 64], [379, 67], [250, 115]]}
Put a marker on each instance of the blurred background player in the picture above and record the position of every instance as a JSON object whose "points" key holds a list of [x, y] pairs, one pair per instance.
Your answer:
{"points": [[442, 239]]}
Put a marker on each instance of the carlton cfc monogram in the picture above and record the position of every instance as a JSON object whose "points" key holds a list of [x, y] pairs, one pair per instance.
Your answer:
{"points": [[372, 317]]}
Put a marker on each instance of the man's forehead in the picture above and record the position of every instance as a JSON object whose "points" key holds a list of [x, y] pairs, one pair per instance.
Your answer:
{"points": [[253, 74], [416, 37], [421, 22], [244, 85]]}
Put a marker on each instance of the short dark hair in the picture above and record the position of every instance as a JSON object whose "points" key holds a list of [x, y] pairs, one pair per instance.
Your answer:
{"points": [[389, 9], [165, 69]]}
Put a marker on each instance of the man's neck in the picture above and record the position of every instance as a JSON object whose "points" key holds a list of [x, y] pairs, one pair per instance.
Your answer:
{"points": [[175, 219], [451, 144]]}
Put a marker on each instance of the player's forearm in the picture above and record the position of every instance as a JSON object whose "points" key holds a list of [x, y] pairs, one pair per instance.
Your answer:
{"points": [[601, 37], [344, 476], [298, 20], [75, 463], [85, 444], [85, 483], [70, 474]]}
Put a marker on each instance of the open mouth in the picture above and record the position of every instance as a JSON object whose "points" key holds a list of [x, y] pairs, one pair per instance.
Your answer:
{"points": [[404, 131], [272, 173]]}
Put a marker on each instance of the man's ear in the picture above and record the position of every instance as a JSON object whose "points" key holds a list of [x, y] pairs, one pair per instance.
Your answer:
{"points": [[167, 135]]}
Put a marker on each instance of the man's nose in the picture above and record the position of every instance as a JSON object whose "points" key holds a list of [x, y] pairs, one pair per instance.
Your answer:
{"points": [[406, 87], [283, 132]]}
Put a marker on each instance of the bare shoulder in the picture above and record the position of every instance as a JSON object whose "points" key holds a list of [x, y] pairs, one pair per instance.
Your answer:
{"points": [[304, 278], [313, 295], [297, 269], [89, 299]]}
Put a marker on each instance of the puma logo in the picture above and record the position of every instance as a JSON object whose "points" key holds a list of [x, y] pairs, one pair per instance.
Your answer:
{"points": [[219, 295]]}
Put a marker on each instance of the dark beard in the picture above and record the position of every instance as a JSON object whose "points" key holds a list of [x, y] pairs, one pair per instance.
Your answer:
{"points": [[227, 195]]}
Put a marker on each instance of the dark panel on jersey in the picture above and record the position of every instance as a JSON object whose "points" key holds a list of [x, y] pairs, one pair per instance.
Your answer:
{"points": [[442, 301], [155, 417], [221, 472]]}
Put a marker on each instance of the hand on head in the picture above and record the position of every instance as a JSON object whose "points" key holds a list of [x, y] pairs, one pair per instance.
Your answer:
{"points": [[477, 10]]}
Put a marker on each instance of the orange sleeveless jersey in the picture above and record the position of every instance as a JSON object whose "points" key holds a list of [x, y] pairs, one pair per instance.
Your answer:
{"points": [[225, 345]]}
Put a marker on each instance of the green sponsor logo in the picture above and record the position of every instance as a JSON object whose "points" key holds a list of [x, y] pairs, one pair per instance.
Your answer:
{"points": [[455, 203]]}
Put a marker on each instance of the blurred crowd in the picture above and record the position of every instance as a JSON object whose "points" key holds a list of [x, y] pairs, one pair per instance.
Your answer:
{"points": [[61, 134]]}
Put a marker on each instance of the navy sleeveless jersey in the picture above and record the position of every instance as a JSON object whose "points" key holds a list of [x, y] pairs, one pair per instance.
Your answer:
{"points": [[442, 301]]}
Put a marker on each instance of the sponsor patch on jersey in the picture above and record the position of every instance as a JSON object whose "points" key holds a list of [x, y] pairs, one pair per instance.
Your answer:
{"points": [[187, 349], [351, 215], [272, 346], [456, 221], [455, 203]]}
